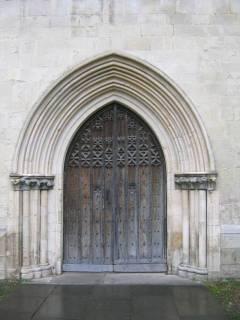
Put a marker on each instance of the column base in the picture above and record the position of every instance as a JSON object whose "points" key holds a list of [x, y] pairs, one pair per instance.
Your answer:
{"points": [[36, 272], [194, 273]]}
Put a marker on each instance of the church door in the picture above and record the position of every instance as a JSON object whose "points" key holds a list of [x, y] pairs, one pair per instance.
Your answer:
{"points": [[115, 196]]}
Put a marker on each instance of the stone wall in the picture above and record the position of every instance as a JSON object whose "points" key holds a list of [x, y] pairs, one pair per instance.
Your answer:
{"points": [[196, 43]]}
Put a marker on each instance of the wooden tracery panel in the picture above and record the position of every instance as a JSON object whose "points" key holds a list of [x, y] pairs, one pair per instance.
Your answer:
{"points": [[114, 196]]}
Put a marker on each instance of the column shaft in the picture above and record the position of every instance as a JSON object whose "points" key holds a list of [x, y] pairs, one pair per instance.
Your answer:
{"points": [[44, 228], [202, 229], [185, 226], [35, 226], [26, 229], [194, 227]]}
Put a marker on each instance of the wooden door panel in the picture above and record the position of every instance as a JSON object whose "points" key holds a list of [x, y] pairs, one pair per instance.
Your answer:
{"points": [[72, 218], [108, 190], [85, 176], [132, 220], [97, 216], [144, 236], [120, 169], [120, 238], [114, 196], [157, 219], [108, 225]]}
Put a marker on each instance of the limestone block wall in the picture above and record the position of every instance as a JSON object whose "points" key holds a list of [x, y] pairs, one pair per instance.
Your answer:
{"points": [[196, 43]]}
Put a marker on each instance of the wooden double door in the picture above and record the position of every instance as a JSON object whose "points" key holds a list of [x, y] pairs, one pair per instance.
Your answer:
{"points": [[114, 196]]}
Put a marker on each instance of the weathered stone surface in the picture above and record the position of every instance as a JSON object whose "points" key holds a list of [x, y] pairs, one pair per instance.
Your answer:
{"points": [[230, 270], [230, 241], [196, 43], [195, 181], [32, 182], [230, 229], [231, 256]]}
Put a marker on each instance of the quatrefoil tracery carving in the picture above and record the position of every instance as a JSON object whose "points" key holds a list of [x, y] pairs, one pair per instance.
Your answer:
{"points": [[97, 146]]}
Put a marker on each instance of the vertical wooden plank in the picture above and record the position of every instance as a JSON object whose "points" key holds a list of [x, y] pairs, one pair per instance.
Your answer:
{"points": [[86, 214], [65, 215], [97, 216], [108, 221], [72, 214], [150, 210], [157, 215], [114, 188], [162, 211], [120, 230], [97, 136], [132, 221], [144, 214], [121, 235]]}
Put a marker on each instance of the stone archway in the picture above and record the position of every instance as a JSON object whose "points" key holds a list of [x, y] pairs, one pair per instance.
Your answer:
{"points": [[37, 172]]}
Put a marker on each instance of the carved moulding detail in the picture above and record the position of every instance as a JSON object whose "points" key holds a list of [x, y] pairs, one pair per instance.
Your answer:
{"points": [[196, 181], [32, 182], [196, 273]]}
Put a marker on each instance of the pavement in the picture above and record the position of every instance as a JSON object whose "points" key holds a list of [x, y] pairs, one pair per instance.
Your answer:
{"points": [[88, 296]]}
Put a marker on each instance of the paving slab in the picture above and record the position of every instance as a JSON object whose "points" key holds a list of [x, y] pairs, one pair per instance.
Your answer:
{"points": [[106, 301]]}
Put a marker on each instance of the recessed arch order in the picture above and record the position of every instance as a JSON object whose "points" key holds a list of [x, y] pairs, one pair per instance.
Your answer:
{"points": [[56, 117], [107, 78]]}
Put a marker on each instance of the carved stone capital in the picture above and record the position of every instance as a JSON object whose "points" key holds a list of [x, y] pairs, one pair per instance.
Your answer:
{"points": [[32, 182], [196, 181]]}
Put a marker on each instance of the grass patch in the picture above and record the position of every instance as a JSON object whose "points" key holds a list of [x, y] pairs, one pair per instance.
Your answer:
{"points": [[228, 293], [7, 286]]}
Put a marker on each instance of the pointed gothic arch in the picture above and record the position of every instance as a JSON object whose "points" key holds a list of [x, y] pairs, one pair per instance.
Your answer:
{"points": [[48, 131]]}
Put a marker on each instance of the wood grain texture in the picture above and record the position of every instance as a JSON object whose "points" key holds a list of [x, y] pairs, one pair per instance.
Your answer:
{"points": [[114, 195]]}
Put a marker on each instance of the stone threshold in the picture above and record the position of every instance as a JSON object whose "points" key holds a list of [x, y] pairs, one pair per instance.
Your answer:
{"points": [[104, 278]]}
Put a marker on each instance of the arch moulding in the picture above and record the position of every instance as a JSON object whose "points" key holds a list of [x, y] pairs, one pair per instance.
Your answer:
{"points": [[37, 169]]}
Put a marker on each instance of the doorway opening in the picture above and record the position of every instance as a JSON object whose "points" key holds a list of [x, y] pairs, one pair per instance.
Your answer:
{"points": [[115, 196]]}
